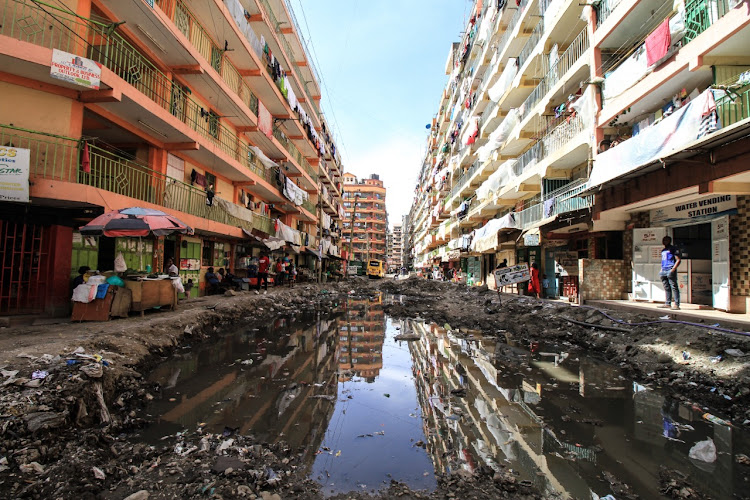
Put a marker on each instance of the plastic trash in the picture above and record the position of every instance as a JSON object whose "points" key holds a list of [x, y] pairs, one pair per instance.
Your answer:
{"points": [[705, 451], [98, 473], [734, 352], [271, 477], [39, 375], [715, 359], [716, 420]]}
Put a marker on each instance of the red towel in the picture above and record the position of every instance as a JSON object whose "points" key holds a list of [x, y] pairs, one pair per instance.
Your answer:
{"points": [[658, 42]]}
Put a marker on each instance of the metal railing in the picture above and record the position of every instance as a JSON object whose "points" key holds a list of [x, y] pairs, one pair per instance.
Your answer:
{"points": [[295, 153], [464, 179], [701, 14], [733, 107], [528, 159], [531, 43], [505, 40], [560, 201], [566, 61], [604, 9], [59, 158], [487, 113]]}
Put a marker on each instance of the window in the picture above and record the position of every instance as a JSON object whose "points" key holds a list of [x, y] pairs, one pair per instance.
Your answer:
{"points": [[208, 253], [211, 180]]}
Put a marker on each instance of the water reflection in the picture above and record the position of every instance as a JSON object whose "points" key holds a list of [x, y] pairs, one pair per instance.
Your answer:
{"points": [[571, 427]]}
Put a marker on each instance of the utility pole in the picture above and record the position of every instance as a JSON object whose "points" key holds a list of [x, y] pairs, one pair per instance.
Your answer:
{"points": [[351, 231]]}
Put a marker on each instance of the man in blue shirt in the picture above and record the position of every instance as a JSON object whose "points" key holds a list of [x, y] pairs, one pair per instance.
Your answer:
{"points": [[670, 260]]}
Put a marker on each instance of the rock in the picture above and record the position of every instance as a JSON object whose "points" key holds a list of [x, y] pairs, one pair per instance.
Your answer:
{"points": [[138, 495], [4, 322], [98, 473], [35, 467], [244, 490], [224, 464], [44, 420], [267, 495], [230, 293], [664, 358]]}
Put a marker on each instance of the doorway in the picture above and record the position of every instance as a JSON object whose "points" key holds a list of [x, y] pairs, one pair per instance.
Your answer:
{"points": [[106, 260], [170, 251]]}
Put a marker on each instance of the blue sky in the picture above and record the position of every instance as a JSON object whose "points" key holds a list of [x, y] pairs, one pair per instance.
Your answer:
{"points": [[383, 63]]}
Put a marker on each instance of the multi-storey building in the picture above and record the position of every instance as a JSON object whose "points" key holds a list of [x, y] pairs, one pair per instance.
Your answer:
{"points": [[365, 222], [361, 340], [395, 248], [577, 135], [209, 111]]}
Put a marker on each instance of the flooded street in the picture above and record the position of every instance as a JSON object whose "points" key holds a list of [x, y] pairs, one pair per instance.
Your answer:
{"points": [[363, 408]]}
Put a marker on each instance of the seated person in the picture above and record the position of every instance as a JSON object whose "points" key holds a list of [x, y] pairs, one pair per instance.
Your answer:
{"points": [[212, 282]]}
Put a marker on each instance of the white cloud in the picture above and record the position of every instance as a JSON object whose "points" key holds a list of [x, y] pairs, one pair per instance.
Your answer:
{"points": [[397, 161]]}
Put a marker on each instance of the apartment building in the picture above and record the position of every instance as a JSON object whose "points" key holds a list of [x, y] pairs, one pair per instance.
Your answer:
{"points": [[207, 111], [361, 339], [578, 135], [364, 225], [395, 248]]}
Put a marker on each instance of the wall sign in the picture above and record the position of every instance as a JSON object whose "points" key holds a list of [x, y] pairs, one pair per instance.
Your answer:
{"points": [[512, 274], [702, 209], [75, 69], [14, 174]]}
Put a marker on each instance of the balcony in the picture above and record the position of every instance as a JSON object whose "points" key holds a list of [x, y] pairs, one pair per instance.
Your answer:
{"points": [[563, 200], [57, 158]]}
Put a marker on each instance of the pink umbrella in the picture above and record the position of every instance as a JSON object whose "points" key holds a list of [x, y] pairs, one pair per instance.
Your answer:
{"points": [[135, 221]]}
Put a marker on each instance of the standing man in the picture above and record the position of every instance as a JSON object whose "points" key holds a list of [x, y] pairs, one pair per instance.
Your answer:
{"points": [[670, 260], [263, 264]]}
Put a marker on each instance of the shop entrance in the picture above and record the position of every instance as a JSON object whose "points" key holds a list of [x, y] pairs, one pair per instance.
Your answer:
{"points": [[694, 273], [24, 267]]}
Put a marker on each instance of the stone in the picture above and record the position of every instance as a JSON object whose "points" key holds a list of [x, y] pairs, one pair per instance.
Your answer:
{"points": [[664, 358], [138, 495], [44, 420], [230, 293]]}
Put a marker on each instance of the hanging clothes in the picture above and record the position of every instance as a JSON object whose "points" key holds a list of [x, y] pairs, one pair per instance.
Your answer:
{"points": [[265, 121], [658, 42]]}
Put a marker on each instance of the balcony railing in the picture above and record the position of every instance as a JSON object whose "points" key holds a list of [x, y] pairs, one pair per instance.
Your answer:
{"points": [[563, 200], [465, 178], [531, 43], [551, 142], [566, 61], [58, 158], [604, 9]]}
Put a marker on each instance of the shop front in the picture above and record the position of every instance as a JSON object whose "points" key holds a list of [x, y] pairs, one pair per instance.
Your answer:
{"points": [[700, 229]]}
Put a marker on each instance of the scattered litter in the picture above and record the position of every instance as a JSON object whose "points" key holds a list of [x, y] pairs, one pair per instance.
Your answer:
{"points": [[715, 359], [338, 453], [741, 458], [225, 445], [34, 467], [387, 395], [323, 396], [666, 316], [734, 352], [39, 374], [685, 355], [93, 370], [248, 362], [705, 451], [271, 477]]}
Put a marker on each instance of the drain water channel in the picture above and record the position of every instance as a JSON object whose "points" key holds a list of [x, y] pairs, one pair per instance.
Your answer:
{"points": [[367, 408]]}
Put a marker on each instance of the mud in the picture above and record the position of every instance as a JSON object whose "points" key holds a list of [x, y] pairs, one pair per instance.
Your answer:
{"points": [[65, 433]]}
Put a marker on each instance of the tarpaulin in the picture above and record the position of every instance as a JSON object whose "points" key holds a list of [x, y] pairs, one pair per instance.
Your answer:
{"points": [[485, 238], [664, 138]]}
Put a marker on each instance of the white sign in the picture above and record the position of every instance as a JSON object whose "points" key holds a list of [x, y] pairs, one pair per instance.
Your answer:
{"points": [[75, 69], [350, 270], [513, 274], [708, 207], [14, 174]]}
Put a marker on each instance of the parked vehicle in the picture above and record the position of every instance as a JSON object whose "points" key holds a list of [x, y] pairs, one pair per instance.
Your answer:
{"points": [[376, 269]]}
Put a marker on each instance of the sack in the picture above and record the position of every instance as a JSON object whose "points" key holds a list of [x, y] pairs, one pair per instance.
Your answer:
{"points": [[84, 293], [120, 265], [116, 281], [177, 284]]}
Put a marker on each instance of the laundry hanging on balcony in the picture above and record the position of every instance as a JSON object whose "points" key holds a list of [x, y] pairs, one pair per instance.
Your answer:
{"points": [[265, 120], [658, 42], [503, 83], [472, 130], [265, 160], [294, 193]]}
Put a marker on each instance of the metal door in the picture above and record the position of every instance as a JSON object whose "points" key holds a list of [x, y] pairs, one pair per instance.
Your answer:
{"points": [[24, 267], [647, 263], [720, 262], [549, 270]]}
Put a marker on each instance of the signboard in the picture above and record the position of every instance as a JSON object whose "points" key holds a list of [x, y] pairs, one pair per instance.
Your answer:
{"points": [[531, 239], [512, 274], [75, 69], [14, 174], [706, 208], [190, 264], [351, 270]]}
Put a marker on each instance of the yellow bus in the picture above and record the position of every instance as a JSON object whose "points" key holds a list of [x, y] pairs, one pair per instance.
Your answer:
{"points": [[376, 269]]}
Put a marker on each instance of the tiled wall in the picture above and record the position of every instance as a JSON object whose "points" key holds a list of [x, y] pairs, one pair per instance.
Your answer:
{"points": [[739, 241], [602, 279], [639, 219]]}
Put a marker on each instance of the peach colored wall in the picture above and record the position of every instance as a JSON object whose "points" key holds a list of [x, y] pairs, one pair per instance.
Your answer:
{"points": [[32, 109]]}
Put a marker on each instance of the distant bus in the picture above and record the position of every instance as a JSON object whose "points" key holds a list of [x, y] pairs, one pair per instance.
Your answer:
{"points": [[376, 269]]}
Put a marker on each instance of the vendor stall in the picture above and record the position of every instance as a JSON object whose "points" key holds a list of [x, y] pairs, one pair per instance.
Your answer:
{"points": [[149, 293]]}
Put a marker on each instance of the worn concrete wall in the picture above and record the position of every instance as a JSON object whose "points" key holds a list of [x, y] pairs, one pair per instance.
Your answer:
{"points": [[602, 279], [739, 256]]}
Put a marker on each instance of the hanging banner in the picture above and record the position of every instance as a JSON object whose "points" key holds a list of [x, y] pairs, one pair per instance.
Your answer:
{"points": [[75, 69], [14, 174], [513, 274], [702, 209]]}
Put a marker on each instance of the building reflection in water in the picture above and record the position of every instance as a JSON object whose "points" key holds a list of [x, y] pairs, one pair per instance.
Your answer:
{"points": [[361, 335], [276, 384], [571, 427]]}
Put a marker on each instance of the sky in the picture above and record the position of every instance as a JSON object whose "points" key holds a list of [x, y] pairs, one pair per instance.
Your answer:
{"points": [[383, 67]]}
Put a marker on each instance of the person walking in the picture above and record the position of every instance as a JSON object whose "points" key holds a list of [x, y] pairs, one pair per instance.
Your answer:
{"points": [[535, 287], [263, 264], [670, 260], [280, 274]]}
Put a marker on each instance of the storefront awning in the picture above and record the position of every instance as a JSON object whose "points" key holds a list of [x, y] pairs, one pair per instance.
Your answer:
{"points": [[310, 251], [270, 243]]}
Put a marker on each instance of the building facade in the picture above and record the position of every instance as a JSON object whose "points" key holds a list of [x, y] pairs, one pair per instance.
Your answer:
{"points": [[365, 222], [396, 248], [208, 111], [578, 135]]}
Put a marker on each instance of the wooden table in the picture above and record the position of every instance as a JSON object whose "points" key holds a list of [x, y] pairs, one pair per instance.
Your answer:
{"points": [[115, 304], [152, 293]]}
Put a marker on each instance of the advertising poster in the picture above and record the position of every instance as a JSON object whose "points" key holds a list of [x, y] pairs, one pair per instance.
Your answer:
{"points": [[14, 174], [75, 69], [512, 274]]}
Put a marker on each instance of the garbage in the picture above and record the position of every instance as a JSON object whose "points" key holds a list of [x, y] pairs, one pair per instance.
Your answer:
{"points": [[93, 370], [734, 352], [4, 464], [225, 445], [715, 359], [705, 451], [39, 374], [387, 395], [138, 495], [271, 477], [685, 355], [33, 467], [98, 473], [716, 420], [741, 458]]}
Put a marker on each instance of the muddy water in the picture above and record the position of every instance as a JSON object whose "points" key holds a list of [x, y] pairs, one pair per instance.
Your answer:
{"points": [[364, 408]]}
